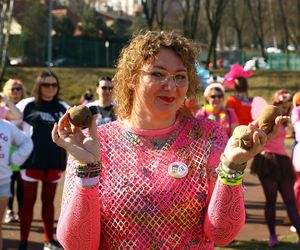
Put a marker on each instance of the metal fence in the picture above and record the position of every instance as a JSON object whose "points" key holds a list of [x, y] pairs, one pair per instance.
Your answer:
{"points": [[100, 53], [82, 51]]}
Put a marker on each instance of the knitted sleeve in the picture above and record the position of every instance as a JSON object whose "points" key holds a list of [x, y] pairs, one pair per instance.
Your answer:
{"points": [[79, 222], [226, 212]]}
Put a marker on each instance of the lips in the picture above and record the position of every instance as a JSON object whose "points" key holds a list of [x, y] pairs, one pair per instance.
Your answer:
{"points": [[167, 99]]}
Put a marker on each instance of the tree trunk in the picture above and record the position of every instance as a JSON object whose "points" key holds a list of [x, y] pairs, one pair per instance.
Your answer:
{"points": [[6, 19], [285, 33]]}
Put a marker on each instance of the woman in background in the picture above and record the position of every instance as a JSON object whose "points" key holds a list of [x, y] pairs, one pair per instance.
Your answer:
{"points": [[275, 171], [240, 102], [214, 109], [14, 89], [47, 161]]}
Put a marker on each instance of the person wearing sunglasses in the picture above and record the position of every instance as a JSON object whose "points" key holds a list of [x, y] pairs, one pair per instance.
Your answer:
{"points": [[14, 89], [47, 161], [8, 110], [103, 107], [150, 179], [214, 108]]}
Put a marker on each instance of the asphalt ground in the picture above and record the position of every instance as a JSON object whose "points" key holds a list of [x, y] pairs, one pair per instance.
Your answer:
{"points": [[254, 229]]}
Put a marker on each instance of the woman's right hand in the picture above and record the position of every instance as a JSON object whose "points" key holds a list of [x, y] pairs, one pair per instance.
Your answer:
{"points": [[84, 148]]}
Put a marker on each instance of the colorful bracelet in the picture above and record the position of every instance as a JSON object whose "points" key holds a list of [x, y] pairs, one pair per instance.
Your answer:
{"points": [[89, 170], [95, 164], [230, 179]]}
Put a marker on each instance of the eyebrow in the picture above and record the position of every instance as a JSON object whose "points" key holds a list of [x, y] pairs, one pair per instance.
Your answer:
{"points": [[165, 69]]}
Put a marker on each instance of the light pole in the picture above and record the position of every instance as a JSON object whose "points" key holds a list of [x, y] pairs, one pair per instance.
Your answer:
{"points": [[107, 53], [49, 34]]}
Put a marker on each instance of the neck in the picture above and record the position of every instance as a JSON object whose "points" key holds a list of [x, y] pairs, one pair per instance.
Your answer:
{"points": [[150, 122], [104, 103], [216, 109]]}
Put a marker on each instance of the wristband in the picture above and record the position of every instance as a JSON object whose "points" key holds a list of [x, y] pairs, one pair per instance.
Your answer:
{"points": [[89, 170], [231, 179], [230, 166]]}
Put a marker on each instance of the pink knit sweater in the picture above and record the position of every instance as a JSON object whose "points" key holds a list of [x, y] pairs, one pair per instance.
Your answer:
{"points": [[139, 205]]}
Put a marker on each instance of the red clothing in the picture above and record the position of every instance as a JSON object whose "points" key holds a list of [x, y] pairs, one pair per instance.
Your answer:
{"points": [[242, 107]]}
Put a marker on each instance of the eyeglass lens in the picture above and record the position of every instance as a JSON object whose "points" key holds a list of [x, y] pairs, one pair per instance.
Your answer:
{"points": [[48, 85], [106, 88], [216, 96], [16, 89]]}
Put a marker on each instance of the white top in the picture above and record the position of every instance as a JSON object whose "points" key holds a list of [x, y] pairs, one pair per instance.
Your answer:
{"points": [[11, 135]]}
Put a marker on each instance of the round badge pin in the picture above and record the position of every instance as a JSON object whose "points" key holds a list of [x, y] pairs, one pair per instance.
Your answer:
{"points": [[178, 170]]}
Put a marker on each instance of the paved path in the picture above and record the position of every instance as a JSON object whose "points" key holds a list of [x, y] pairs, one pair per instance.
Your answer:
{"points": [[254, 229]]}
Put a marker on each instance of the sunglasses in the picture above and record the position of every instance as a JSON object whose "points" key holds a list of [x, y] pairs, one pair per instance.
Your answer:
{"points": [[16, 89], [216, 96], [48, 85], [107, 88]]}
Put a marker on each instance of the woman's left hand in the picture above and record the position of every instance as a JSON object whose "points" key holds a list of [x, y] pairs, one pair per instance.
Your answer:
{"points": [[238, 155]]}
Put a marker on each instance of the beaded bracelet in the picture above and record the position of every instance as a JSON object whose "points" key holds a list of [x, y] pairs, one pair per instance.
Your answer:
{"points": [[230, 179], [89, 170], [95, 164]]}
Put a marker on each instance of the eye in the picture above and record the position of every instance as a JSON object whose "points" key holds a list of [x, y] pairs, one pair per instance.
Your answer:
{"points": [[180, 77], [158, 75]]}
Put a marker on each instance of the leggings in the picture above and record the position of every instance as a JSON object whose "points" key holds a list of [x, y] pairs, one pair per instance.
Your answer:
{"points": [[15, 178], [26, 215], [270, 187]]}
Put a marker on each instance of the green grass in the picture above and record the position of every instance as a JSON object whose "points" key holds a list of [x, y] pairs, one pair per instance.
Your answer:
{"points": [[74, 81], [286, 243]]}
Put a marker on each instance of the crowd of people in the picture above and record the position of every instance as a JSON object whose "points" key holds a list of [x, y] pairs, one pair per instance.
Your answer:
{"points": [[155, 169]]}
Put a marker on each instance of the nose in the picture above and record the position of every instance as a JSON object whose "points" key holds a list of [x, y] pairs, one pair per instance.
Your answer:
{"points": [[170, 82]]}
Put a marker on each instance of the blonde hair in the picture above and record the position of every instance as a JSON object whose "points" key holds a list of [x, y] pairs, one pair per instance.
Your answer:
{"points": [[296, 99], [143, 48], [10, 83]]}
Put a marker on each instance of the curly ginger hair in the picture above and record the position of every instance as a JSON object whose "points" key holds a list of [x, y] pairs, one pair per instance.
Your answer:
{"points": [[143, 48]]}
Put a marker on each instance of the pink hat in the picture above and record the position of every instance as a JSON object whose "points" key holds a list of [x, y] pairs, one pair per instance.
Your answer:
{"points": [[211, 86], [236, 71]]}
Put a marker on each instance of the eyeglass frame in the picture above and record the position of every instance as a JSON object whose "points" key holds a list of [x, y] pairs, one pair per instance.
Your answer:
{"points": [[48, 85], [16, 89], [219, 96], [109, 88], [167, 77]]}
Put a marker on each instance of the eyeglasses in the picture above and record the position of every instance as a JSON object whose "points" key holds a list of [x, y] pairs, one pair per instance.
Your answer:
{"points": [[48, 85], [216, 96], [162, 77], [16, 89], [106, 88]]}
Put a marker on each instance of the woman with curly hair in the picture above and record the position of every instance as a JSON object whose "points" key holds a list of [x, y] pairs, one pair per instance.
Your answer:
{"points": [[153, 178]]}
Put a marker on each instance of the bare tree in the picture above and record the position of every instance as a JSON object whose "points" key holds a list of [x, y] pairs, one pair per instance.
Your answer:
{"points": [[150, 11], [285, 32], [5, 22], [191, 10], [160, 16], [256, 12], [238, 9], [214, 11]]}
